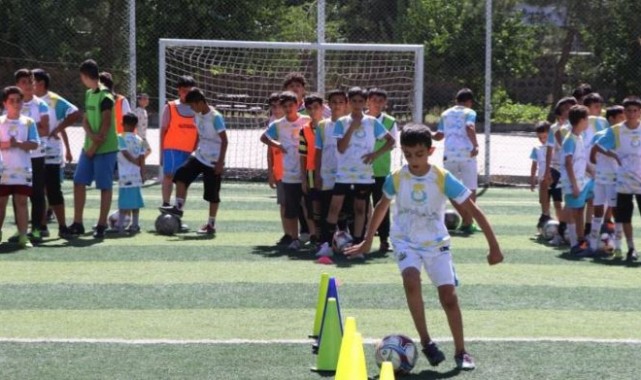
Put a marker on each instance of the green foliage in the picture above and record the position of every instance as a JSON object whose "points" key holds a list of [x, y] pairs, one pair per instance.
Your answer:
{"points": [[505, 111]]}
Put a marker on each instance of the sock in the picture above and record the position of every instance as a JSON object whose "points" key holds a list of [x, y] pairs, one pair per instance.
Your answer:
{"points": [[121, 220], [212, 221], [574, 240], [594, 232], [180, 203], [618, 235], [587, 229], [630, 243], [135, 217]]}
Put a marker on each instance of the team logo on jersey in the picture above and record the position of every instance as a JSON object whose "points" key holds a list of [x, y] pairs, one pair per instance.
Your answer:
{"points": [[360, 133], [418, 193], [13, 130], [635, 141]]}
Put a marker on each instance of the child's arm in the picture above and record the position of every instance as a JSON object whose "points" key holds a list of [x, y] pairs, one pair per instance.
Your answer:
{"points": [[533, 175], [593, 153], [271, 179], [570, 172], [389, 145], [271, 142], [470, 130], [220, 164], [130, 157], [608, 153], [343, 143], [318, 179], [377, 218], [494, 256], [65, 141], [141, 163]]}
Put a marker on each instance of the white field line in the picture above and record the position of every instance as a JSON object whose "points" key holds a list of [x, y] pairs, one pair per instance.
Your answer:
{"points": [[299, 341]]}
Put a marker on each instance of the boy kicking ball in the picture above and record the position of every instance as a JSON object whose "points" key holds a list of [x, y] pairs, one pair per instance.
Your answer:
{"points": [[420, 238]]}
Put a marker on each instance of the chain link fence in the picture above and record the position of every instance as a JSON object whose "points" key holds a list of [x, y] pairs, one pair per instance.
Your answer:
{"points": [[540, 49]]}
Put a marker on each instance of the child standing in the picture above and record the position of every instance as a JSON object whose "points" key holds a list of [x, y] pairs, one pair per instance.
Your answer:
{"points": [[143, 121], [537, 174], [420, 238], [275, 166], [18, 136], [208, 160], [131, 171]]}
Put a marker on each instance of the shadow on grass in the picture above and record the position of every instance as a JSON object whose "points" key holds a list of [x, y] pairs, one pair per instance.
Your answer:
{"points": [[428, 374], [9, 248], [80, 242], [309, 254]]}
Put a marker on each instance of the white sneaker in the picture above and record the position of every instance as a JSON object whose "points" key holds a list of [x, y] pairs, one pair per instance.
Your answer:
{"points": [[294, 245], [325, 251], [304, 238]]}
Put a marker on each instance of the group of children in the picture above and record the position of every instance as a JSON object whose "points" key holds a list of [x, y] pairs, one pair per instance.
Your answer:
{"points": [[589, 165]]}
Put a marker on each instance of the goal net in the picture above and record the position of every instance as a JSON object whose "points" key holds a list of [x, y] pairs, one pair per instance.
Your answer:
{"points": [[239, 76]]}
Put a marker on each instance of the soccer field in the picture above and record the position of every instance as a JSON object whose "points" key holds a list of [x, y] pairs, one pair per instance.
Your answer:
{"points": [[236, 307]]}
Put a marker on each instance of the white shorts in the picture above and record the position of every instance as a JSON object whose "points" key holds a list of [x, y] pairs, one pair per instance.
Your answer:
{"points": [[437, 262], [465, 171], [605, 195]]}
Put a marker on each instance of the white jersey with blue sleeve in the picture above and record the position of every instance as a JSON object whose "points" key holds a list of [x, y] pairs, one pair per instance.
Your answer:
{"points": [[36, 108], [418, 207], [326, 143], [573, 146], [350, 166], [605, 168], [453, 124], [210, 126], [538, 156], [16, 163], [59, 109], [555, 144], [626, 143], [129, 174], [287, 133]]}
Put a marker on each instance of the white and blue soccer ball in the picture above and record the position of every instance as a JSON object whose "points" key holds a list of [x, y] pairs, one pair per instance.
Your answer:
{"points": [[399, 350], [550, 229], [114, 220], [606, 243], [341, 241]]}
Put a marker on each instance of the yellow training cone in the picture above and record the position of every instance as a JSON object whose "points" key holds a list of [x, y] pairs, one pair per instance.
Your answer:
{"points": [[355, 368], [320, 305], [387, 371], [344, 357], [330, 341]]}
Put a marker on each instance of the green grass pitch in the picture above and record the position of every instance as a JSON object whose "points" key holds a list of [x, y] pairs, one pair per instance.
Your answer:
{"points": [[236, 307]]}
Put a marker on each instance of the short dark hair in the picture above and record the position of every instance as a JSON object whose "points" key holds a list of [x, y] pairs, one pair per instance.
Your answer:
{"points": [[10, 90], [542, 127], [195, 95], [130, 119], [631, 101], [273, 97], [89, 68], [335, 92], [581, 90], [592, 98], [464, 95], [287, 96], [294, 77], [185, 81], [142, 95], [41, 75], [356, 91], [613, 111], [107, 80], [577, 113], [567, 100], [414, 134], [22, 73], [377, 92], [313, 98]]}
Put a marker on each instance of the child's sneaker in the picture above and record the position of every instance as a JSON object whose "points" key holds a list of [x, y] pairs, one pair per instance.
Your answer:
{"points": [[44, 232], [294, 245], [35, 235], [285, 240], [14, 238], [325, 251], [433, 354], [23, 242], [100, 232], [384, 247], [173, 210], [206, 229], [64, 233], [617, 254], [581, 249], [304, 237], [464, 361], [632, 255], [133, 230], [542, 220], [77, 229]]}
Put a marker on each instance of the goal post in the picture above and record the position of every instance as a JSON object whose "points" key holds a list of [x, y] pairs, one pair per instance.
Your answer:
{"points": [[238, 76]]}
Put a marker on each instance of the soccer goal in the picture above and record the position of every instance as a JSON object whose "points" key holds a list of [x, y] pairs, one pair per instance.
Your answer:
{"points": [[239, 76]]}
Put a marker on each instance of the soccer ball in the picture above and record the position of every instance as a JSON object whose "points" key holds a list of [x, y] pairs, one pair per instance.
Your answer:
{"points": [[606, 243], [113, 220], [399, 350], [167, 224], [341, 240], [550, 229], [452, 220]]}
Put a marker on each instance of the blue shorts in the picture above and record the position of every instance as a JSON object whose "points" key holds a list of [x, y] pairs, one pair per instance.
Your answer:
{"points": [[130, 198], [586, 194], [99, 168], [172, 160]]}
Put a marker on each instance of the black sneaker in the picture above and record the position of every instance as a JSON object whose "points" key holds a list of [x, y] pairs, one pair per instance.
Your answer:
{"points": [[65, 233], [173, 210], [76, 229], [285, 240], [632, 255], [542, 220], [433, 354], [100, 232], [384, 247], [44, 232]]}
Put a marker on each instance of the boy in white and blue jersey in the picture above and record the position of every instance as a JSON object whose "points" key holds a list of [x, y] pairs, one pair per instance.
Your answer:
{"points": [[18, 136], [458, 126], [326, 163], [418, 194], [356, 136], [131, 171], [537, 175], [284, 134], [62, 114], [208, 159], [553, 159], [622, 142], [577, 186]]}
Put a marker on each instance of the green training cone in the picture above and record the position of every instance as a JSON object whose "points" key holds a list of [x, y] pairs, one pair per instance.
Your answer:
{"points": [[330, 344], [320, 305]]}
